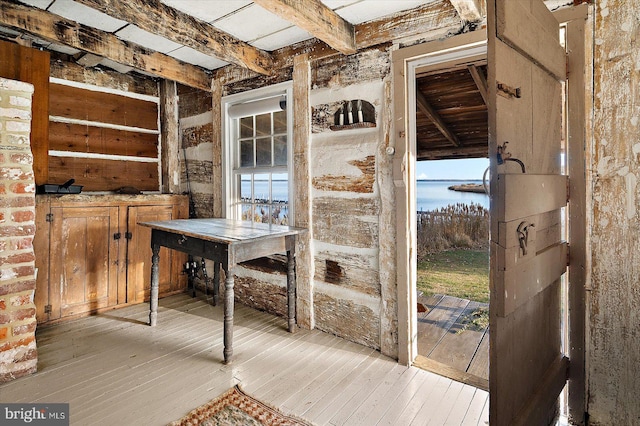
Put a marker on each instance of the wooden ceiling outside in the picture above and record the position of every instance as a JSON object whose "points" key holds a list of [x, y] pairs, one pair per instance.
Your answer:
{"points": [[456, 125]]}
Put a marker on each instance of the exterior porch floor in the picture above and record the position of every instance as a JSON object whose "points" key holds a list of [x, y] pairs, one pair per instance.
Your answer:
{"points": [[453, 338]]}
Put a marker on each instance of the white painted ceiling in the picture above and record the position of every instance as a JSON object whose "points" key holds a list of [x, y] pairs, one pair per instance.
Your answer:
{"points": [[242, 19]]}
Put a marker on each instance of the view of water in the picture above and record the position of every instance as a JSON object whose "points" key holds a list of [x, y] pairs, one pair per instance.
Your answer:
{"points": [[261, 188], [434, 194], [431, 194]]}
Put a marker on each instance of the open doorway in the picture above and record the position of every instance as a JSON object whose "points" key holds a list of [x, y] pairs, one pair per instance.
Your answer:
{"points": [[452, 281], [452, 219], [526, 106], [431, 59]]}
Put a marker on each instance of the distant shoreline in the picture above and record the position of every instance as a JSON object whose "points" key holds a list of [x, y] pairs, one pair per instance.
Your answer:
{"points": [[469, 187]]}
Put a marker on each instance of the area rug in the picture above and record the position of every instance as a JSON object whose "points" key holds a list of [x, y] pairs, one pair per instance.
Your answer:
{"points": [[235, 407]]}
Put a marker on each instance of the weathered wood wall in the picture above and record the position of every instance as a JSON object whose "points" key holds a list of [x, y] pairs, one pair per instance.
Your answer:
{"points": [[197, 151], [613, 354], [347, 200], [352, 232]]}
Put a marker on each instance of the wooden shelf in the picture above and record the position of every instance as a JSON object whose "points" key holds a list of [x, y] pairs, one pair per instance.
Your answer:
{"points": [[352, 126]]}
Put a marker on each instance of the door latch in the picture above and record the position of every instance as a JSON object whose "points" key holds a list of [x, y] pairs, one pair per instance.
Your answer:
{"points": [[523, 236]]}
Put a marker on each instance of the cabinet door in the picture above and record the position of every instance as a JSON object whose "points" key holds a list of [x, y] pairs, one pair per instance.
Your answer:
{"points": [[41, 251], [139, 255], [83, 261]]}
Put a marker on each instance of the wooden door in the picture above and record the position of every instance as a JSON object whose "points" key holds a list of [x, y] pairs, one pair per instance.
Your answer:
{"points": [[139, 255], [41, 251], [529, 257], [83, 261]]}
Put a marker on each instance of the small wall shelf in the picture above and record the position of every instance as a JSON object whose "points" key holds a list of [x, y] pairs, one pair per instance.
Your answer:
{"points": [[354, 114]]}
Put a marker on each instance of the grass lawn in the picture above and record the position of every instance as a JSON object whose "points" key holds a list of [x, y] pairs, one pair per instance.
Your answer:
{"points": [[459, 273]]}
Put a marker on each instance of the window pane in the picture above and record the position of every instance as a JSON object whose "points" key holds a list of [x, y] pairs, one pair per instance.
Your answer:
{"points": [[280, 151], [246, 127], [261, 188], [263, 213], [263, 152], [280, 122], [246, 153], [245, 188], [263, 124], [248, 212], [280, 214], [279, 188]]}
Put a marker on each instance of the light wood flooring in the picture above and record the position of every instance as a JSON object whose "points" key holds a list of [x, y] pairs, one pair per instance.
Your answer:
{"points": [[450, 342], [114, 369]]}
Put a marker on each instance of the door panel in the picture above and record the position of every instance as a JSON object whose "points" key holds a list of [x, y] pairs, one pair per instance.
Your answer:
{"points": [[41, 250], [528, 254], [139, 254], [514, 22], [83, 259]]}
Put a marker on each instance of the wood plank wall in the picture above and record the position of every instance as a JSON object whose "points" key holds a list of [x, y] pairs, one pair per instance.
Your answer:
{"points": [[32, 66], [103, 140]]}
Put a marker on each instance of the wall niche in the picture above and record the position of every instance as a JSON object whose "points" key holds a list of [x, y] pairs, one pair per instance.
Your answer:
{"points": [[354, 114]]}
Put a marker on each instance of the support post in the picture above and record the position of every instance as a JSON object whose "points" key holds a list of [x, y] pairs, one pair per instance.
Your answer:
{"points": [[302, 178]]}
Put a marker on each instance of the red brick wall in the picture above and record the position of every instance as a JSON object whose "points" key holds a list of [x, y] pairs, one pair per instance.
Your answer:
{"points": [[18, 355]]}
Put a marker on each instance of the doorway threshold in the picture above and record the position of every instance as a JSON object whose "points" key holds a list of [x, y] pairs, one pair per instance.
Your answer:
{"points": [[453, 339]]}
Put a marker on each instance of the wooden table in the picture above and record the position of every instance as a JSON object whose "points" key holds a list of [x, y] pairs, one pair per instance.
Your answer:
{"points": [[226, 243]]}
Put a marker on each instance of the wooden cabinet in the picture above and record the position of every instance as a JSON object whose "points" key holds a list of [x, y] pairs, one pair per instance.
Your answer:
{"points": [[92, 255], [83, 260], [139, 254]]}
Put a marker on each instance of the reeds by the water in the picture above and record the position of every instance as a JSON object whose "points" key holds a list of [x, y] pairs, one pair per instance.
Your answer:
{"points": [[454, 226]]}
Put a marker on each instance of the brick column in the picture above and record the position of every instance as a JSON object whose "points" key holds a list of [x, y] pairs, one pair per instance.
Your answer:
{"points": [[18, 355]]}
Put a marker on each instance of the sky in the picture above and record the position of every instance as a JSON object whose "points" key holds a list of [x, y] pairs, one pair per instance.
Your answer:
{"points": [[467, 169]]}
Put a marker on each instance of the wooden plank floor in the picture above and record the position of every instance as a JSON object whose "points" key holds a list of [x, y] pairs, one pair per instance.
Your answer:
{"points": [[114, 369], [449, 344]]}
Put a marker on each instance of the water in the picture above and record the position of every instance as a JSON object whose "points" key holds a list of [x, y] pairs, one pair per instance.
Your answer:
{"points": [[279, 189], [431, 194], [434, 194]]}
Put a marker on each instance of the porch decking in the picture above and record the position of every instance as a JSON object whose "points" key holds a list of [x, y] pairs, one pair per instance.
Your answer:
{"points": [[114, 369], [449, 343]]}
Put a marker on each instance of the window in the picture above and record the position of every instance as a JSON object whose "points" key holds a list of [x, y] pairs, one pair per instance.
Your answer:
{"points": [[258, 155]]}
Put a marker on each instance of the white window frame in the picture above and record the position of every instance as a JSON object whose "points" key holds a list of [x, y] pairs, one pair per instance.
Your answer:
{"points": [[229, 152]]}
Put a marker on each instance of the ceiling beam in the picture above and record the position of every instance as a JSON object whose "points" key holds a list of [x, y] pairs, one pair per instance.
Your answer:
{"points": [[56, 29], [475, 151], [469, 10], [317, 19], [480, 81], [420, 21], [424, 21], [427, 109], [179, 27]]}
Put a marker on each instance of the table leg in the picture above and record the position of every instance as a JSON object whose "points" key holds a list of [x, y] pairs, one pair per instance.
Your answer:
{"points": [[291, 290], [153, 299], [228, 314], [216, 282]]}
